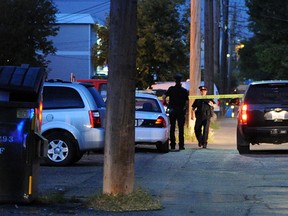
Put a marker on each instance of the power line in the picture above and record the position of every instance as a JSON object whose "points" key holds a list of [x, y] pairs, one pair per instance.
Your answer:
{"points": [[93, 10]]}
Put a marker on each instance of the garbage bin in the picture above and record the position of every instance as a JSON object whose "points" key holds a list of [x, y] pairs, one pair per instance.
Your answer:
{"points": [[21, 145]]}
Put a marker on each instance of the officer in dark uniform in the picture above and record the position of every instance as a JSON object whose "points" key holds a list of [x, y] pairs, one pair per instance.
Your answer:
{"points": [[178, 98], [202, 109]]}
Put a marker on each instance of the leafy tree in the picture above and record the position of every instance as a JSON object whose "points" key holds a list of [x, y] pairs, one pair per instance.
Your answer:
{"points": [[162, 45], [268, 48], [248, 61], [100, 49], [24, 30]]}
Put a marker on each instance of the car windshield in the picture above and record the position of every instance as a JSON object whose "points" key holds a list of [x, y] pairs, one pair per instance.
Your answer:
{"points": [[267, 94], [147, 105]]}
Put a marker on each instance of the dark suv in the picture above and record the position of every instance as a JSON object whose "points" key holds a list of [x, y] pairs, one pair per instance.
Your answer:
{"points": [[263, 115]]}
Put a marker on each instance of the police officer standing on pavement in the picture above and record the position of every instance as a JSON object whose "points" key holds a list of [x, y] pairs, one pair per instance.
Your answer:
{"points": [[202, 109], [178, 98]]}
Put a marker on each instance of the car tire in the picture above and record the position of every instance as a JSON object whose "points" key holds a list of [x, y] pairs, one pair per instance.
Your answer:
{"points": [[243, 146], [61, 149], [163, 147], [78, 156]]}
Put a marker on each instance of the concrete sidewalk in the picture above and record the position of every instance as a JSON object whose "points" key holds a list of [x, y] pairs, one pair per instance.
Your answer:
{"points": [[226, 133]]}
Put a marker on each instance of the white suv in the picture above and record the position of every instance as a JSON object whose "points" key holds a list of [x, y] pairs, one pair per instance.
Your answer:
{"points": [[73, 121]]}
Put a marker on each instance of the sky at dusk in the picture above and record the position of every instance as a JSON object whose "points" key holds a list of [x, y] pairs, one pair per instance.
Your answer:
{"points": [[99, 10]]}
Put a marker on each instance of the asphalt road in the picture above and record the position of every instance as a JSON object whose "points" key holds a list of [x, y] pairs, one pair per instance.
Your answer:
{"points": [[196, 181]]}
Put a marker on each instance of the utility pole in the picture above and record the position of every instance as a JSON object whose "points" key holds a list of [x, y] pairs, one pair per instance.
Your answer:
{"points": [[224, 48], [209, 46], [231, 47], [120, 121], [216, 40], [195, 51]]}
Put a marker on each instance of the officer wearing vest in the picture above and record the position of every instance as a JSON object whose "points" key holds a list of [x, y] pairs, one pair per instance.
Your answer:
{"points": [[178, 98], [202, 109]]}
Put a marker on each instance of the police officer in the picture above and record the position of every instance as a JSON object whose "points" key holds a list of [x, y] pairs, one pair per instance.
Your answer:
{"points": [[178, 98], [202, 109]]}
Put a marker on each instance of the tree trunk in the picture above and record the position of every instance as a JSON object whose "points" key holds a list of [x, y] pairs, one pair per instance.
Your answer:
{"points": [[120, 121]]}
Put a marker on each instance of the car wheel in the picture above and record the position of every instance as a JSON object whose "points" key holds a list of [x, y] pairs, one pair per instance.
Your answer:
{"points": [[163, 147], [61, 149], [243, 146]]}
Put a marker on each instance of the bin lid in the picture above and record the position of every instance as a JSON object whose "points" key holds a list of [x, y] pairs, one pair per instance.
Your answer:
{"points": [[21, 83]]}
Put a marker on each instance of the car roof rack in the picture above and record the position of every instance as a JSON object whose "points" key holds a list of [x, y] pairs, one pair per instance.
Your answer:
{"points": [[57, 80]]}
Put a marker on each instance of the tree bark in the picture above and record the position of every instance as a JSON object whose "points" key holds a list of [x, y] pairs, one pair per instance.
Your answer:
{"points": [[120, 117]]}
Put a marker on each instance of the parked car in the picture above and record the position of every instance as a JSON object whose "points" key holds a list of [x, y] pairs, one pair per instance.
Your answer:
{"points": [[99, 84], [232, 107], [263, 115], [73, 121], [152, 124]]}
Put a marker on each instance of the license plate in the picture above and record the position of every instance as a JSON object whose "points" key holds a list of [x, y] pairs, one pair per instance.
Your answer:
{"points": [[278, 131]]}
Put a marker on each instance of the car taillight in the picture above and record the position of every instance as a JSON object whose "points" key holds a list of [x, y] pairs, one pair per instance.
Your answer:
{"points": [[160, 122], [37, 119], [40, 112], [243, 114], [95, 120]]}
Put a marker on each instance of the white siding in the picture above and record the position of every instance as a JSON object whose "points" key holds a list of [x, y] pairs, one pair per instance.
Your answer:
{"points": [[73, 43]]}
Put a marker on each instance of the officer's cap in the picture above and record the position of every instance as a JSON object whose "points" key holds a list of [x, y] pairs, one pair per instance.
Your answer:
{"points": [[202, 88], [178, 77]]}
